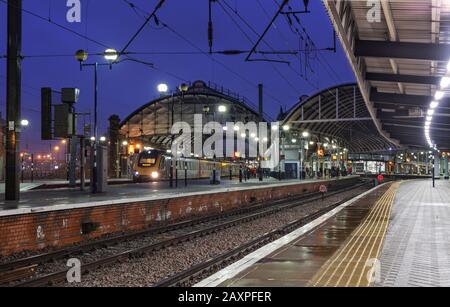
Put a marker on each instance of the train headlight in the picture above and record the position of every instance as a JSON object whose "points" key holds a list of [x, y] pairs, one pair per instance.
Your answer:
{"points": [[155, 175]]}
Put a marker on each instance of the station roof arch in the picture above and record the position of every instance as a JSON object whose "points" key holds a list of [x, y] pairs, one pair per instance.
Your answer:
{"points": [[399, 52], [338, 113], [151, 123]]}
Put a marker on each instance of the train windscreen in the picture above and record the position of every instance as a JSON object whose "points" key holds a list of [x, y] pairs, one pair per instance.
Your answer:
{"points": [[148, 158]]}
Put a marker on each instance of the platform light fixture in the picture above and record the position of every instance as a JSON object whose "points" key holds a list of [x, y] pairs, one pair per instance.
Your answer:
{"points": [[24, 123], [434, 104], [445, 82], [222, 109], [305, 134], [439, 95], [286, 128]]}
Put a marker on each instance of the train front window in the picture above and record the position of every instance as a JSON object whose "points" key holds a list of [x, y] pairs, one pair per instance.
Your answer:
{"points": [[148, 158]]}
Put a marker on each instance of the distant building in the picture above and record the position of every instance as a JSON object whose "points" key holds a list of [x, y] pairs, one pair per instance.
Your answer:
{"points": [[150, 125]]}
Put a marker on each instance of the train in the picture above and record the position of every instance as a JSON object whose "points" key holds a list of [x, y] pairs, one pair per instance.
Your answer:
{"points": [[155, 165]]}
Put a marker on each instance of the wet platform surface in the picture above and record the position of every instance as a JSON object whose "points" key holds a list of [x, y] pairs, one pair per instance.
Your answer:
{"points": [[151, 190], [416, 251], [297, 263]]}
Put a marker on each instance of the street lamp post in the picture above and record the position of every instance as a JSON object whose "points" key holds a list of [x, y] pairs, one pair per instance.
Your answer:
{"points": [[305, 135], [111, 56]]}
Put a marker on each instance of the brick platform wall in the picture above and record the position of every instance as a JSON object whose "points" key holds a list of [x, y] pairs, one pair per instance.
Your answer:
{"points": [[58, 229]]}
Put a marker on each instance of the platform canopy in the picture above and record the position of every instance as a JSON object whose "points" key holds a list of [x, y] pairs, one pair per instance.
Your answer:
{"points": [[151, 124], [338, 113], [399, 50]]}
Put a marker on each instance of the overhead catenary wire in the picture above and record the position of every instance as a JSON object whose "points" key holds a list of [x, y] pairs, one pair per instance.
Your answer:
{"points": [[87, 38], [252, 42], [205, 53], [147, 20]]}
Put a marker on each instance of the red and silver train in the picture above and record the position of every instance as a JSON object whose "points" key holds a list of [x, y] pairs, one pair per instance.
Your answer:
{"points": [[154, 165]]}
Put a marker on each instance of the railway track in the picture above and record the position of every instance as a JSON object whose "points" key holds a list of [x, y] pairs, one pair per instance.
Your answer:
{"points": [[185, 278], [19, 267]]}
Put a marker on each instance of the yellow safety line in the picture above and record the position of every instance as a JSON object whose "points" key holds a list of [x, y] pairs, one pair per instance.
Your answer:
{"points": [[380, 207], [370, 235], [335, 257], [367, 234], [382, 237], [368, 243]]}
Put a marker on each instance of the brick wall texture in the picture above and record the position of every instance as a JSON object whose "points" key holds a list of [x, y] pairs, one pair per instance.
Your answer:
{"points": [[57, 229]]}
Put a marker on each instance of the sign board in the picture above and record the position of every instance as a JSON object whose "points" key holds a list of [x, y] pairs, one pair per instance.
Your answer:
{"points": [[380, 178], [323, 189], [11, 125]]}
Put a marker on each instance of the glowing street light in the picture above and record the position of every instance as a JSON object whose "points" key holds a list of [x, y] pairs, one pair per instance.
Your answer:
{"points": [[24, 123], [111, 55], [163, 88]]}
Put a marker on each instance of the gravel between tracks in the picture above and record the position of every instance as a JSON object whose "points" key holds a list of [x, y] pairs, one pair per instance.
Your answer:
{"points": [[151, 268]]}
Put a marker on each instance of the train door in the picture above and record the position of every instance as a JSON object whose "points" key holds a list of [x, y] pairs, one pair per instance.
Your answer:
{"points": [[163, 167]]}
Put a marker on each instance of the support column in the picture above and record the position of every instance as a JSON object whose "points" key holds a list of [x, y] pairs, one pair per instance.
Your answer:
{"points": [[73, 161], [13, 99], [437, 164], [113, 155]]}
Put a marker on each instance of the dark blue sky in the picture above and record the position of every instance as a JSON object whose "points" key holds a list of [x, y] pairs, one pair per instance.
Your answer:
{"points": [[130, 85]]}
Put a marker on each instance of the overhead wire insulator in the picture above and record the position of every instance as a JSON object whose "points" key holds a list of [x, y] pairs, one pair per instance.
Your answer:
{"points": [[232, 52]]}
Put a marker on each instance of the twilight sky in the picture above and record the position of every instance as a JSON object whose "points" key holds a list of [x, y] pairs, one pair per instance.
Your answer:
{"points": [[130, 85]]}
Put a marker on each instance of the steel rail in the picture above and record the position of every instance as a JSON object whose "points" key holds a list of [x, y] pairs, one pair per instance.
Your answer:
{"points": [[272, 209]]}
